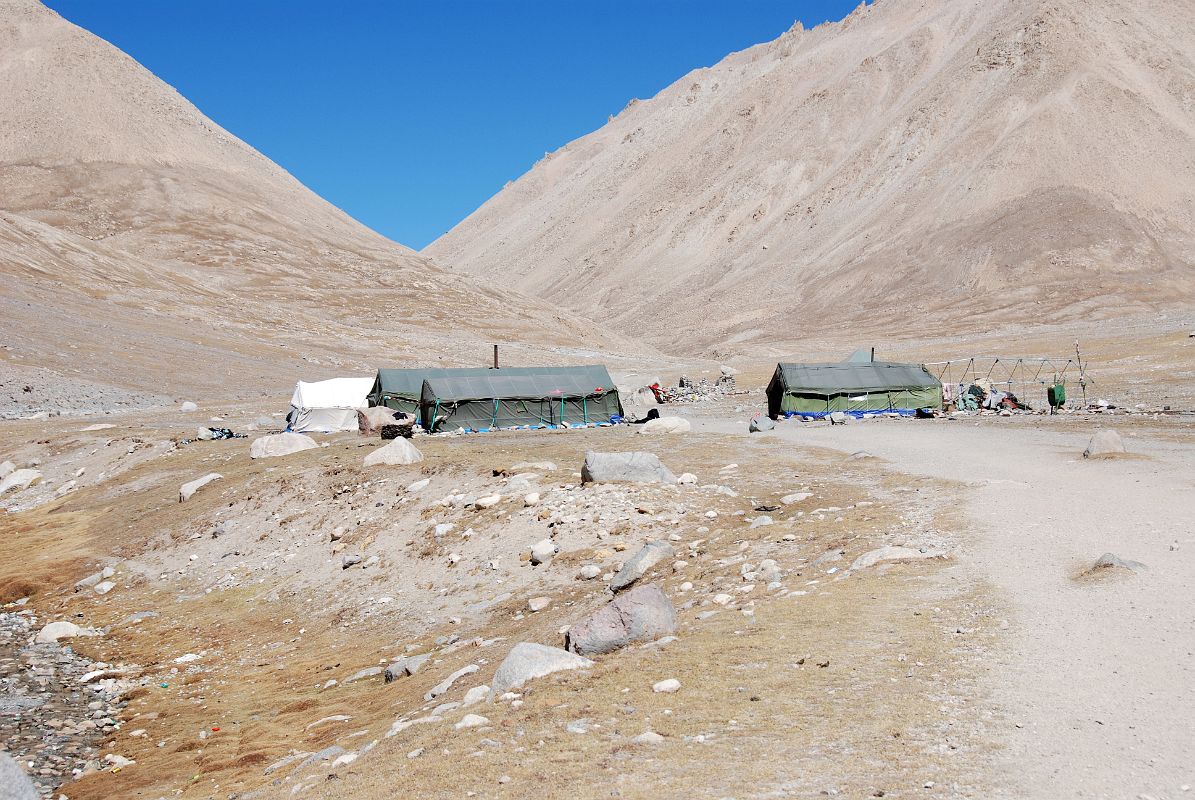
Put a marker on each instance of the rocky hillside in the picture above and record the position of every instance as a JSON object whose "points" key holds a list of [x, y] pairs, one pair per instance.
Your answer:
{"points": [[919, 167], [145, 247]]}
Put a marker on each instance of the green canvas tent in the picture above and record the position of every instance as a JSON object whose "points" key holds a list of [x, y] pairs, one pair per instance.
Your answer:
{"points": [[400, 389], [519, 396], [855, 387]]}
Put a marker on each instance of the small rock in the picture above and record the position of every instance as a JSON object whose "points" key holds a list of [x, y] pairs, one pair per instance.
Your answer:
{"points": [[761, 424], [471, 721], [892, 553], [687, 479], [418, 486], [637, 565], [648, 737], [760, 521], [1104, 443], [589, 572], [399, 452], [407, 665], [187, 407], [669, 686], [838, 418], [349, 560], [666, 425], [446, 684], [187, 490], [1112, 561], [539, 603], [543, 551], [531, 499], [475, 695], [368, 672], [104, 587]]}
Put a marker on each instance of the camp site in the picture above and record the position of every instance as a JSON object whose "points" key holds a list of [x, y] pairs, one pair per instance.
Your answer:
{"points": [[769, 400]]}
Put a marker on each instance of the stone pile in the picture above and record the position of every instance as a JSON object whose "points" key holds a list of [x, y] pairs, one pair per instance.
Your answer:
{"points": [[54, 712]]}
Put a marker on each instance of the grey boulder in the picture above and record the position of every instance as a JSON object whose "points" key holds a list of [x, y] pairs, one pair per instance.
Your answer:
{"points": [[14, 783], [528, 660], [281, 444], [642, 614], [760, 424], [397, 453], [19, 479], [636, 467], [637, 566]]}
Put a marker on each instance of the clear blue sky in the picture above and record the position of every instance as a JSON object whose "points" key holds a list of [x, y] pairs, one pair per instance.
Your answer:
{"points": [[409, 115]]}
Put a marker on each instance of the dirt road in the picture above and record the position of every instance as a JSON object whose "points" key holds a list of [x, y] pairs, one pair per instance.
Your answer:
{"points": [[1099, 682]]}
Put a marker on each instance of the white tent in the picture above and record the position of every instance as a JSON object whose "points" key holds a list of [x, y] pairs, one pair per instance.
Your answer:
{"points": [[328, 405]]}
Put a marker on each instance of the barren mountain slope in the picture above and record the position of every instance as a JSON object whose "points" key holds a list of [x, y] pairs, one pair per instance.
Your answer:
{"points": [[916, 167], [143, 246]]}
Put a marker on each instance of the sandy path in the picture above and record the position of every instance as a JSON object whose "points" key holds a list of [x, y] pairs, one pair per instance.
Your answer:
{"points": [[1100, 677]]}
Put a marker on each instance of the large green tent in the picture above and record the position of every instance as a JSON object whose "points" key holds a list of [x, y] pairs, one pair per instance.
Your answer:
{"points": [[400, 389], [519, 396], [855, 387]]}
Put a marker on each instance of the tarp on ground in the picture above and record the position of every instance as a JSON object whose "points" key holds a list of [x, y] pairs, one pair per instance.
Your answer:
{"points": [[855, 387], [511, 397], [329, 405], [400, 389]]}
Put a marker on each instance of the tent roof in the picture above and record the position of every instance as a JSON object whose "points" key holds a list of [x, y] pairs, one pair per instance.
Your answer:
{"points": [[521, 383], [408, 383], [872, 376], [334, 393]]}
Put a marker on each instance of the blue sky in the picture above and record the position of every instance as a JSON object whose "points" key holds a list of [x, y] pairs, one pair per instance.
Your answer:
{"points": [[410, 115]]}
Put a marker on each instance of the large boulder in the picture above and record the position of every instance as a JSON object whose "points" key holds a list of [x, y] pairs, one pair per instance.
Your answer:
{"points": [[19, 479], [280, 444], [642, 614], [635, 467], [637, 566], [370, 420], [397, 453], [528, 660], [15, 783], [761, 423], [666, 425], [1104, 443], [187, 490], [57, 630]]}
